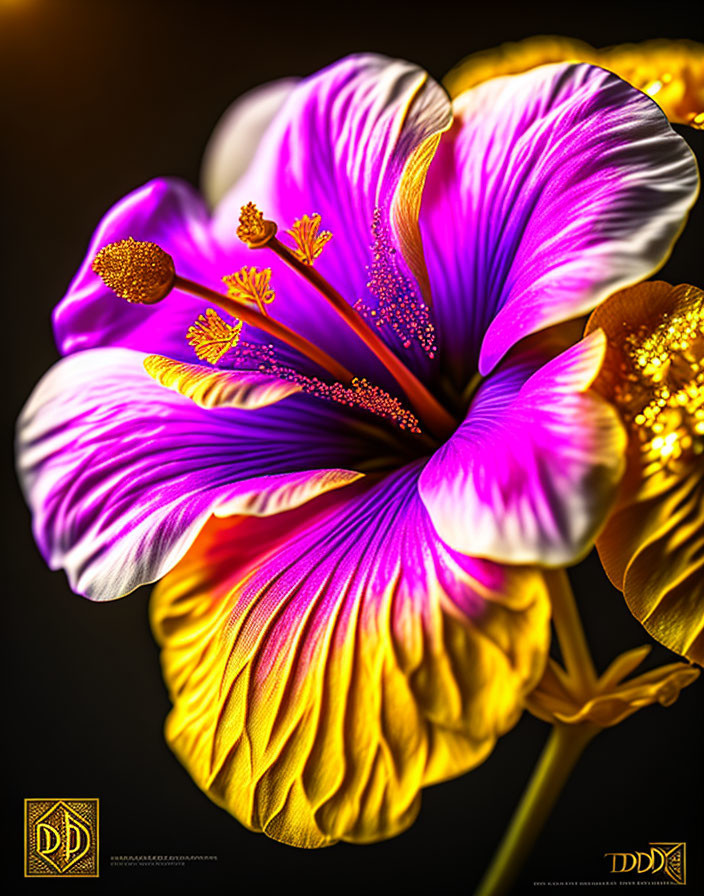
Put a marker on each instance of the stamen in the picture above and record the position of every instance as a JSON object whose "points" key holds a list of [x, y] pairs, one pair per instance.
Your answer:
{"points": [[250, 285], [122, 264], [211, 337], [430, 411], [360, 394], [397, 304], [309, 243], [140, 272], [364, 395], [253, 229]]}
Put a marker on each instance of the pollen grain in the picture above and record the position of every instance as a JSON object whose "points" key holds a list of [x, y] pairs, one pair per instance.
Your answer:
{"points": [[667, 370]]}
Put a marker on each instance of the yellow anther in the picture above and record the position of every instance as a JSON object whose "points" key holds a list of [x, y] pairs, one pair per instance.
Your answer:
{"points": [[137, 271], [253, 229], [309, 243], [212, 337], [250, 285]]}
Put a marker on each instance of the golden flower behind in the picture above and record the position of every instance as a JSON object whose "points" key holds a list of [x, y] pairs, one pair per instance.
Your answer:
{"points": [[653, 545], [669, 71]]}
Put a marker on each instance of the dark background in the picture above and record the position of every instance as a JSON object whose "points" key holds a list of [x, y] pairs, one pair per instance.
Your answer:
{"points": [[96, 98]]}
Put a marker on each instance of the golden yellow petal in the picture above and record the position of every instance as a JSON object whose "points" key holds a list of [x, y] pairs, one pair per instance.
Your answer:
{"points": [[315, 710], [405, 211], [652, 546], [654, 552], [211, 387], [623, 665], [661, 686], [670, 71]]}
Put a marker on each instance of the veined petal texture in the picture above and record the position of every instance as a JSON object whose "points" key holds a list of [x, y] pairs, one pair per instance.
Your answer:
{"points": [[121, 473], [532, 472], [552, 189], [327, 663]]}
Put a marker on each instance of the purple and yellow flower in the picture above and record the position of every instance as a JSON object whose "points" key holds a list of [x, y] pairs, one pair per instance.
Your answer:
{"points": [[348, 483]]}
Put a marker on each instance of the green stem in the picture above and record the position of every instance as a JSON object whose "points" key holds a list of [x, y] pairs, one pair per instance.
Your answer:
{"points": [[570, 634], [564, 747]]}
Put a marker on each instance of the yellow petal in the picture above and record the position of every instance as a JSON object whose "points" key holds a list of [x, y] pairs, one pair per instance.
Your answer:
{"points": [[211, 387], [661, 686], [654, 551], [652, 546], [613, 701], [405, 211], [323, 669], [670, 71]]}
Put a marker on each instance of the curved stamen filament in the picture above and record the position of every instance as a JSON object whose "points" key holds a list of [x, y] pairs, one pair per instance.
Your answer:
{"points": [[252, 286], [258, 233], [142, 273], [267, 325]]}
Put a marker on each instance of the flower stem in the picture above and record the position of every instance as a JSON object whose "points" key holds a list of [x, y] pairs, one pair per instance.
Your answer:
{"points": [[564, 747], [429, 409], [570, 634]]}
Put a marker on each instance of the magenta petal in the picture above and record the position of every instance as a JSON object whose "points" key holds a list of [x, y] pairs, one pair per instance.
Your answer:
{"points": [[121, 473], [553, 189], [338, 147], [530, 474], [167, 212]]}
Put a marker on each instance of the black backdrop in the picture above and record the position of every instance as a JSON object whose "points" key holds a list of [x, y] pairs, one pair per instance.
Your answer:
{"points": [[96, 98]]}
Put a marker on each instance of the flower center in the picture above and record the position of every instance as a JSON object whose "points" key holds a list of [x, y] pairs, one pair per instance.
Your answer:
{"points": [[663, 391], [258, 233], [142, 272]]}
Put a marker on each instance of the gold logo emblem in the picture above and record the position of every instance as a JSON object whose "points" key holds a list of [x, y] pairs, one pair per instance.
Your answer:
{"points": [[668, 858], [60, 838]]}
